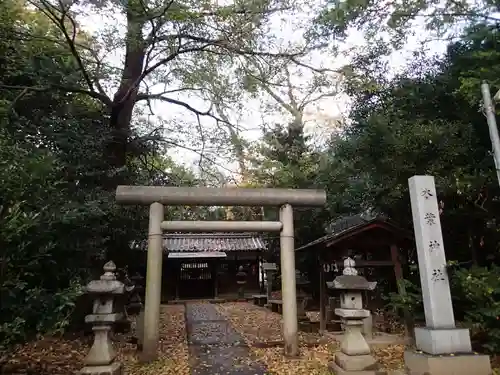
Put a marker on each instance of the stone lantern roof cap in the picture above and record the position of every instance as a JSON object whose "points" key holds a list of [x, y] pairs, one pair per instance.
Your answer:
{"points": [[351, 282], [107, 283]]}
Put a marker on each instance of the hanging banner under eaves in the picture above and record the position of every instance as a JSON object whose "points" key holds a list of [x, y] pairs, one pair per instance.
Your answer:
{"points": [[201, 254]]}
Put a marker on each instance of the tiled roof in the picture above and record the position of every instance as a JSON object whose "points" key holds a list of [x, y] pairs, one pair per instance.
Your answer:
{"points": [[347, 224], [211, 242]]}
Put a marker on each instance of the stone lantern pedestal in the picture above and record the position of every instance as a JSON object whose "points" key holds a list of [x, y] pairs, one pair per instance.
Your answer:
{"points": [[101, 358], [355, 356]]}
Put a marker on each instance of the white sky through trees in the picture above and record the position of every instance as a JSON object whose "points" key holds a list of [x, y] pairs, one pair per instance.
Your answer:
{"points": [[320, 116]]}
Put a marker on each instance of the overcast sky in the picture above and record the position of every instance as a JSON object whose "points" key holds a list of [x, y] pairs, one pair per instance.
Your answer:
{"points": [[289, 29]]}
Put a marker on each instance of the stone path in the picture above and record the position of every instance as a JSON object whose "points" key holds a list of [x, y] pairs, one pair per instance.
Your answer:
{"points": [[214, 346]]}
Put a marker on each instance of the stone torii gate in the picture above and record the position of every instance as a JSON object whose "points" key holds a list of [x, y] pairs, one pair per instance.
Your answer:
{"points": [[156, 197]]}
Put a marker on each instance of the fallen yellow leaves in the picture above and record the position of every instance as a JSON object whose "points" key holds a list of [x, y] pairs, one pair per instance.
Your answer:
{"points": [[60, 356], [173, 351], [390, 357], [259, 326]]}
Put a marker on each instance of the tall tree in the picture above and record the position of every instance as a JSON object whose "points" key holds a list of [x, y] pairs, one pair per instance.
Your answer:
{"points": [[425, 121], [168, 47], [57, 222], [398, 19]]}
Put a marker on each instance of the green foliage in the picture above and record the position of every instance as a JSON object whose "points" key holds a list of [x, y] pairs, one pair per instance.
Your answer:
{"points": [[476, 292], [58, 223], [476, 301], [285, 159], [397, 19], [32, 260], [425, 121], [477, 56], [411, 301]]}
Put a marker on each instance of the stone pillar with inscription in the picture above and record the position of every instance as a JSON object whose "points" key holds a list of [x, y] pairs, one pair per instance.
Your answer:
{"points": [[442, 348]]}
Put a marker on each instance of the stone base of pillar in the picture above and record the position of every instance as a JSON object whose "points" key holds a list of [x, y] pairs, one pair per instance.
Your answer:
{"points": [[112, 369], [459, 364], [443, 341]]}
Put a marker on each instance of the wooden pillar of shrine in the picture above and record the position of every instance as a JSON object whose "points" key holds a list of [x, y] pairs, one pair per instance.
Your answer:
{"points": [[322, 296]]}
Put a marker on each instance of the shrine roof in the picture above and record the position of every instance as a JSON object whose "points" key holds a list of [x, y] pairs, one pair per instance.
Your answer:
{"points": [[210, 242], [350, 226]]}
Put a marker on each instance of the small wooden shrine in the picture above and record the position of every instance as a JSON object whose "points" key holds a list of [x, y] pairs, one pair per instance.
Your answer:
{"points": [[376, 244]]}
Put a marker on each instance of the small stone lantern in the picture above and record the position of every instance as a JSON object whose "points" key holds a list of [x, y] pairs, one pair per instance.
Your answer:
{"points": [[135, 302], [136, 307], [354, 355], [101, 358], [301, 283], [241, 280], [269, 269]]}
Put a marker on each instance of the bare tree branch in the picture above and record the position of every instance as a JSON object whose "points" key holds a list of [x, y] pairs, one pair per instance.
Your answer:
{"points": [[154, 136], [58, 16], [309, 99], [197, 112], [76, 90]]}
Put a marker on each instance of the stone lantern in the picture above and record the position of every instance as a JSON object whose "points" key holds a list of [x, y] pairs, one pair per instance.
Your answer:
{"points": [[101, 358], [355, 355], [269, 269], [301, 283], [241, 281], [135, 302]]}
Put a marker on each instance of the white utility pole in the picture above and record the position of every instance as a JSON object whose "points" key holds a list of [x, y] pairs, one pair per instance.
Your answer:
{"points": [[492, 125]]}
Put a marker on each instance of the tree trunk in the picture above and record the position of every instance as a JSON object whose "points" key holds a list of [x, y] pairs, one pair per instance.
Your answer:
{"points": [[125, 97]]}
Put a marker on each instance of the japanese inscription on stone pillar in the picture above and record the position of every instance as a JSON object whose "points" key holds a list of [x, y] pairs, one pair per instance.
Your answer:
{"points": [[430, 250]]}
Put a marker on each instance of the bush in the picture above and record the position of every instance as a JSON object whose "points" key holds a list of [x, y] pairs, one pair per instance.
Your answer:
{"points": [[412, 302], [476, 294], [476, 302]]}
